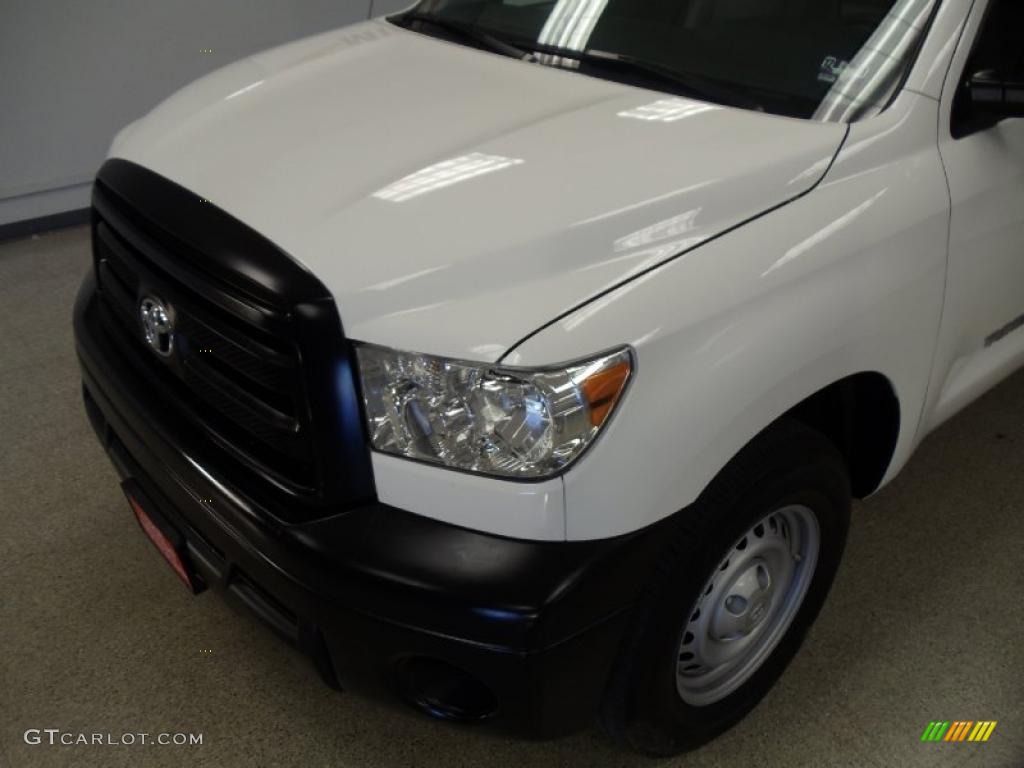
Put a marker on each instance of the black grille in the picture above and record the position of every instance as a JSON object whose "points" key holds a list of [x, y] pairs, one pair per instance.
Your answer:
{"points": [[244, 386], [241, 355]]}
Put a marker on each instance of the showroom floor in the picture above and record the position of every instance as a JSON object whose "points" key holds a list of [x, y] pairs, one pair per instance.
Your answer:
{"points": [[97, 635]]}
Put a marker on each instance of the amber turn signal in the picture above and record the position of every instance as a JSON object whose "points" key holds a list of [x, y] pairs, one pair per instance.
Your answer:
{"points": [[602, 391]]}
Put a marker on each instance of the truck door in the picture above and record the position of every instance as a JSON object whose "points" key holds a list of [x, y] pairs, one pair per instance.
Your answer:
{"points": [[982, 146]]}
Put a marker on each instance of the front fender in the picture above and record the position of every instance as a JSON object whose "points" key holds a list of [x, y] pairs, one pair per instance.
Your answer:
{"points": [[846, 279]]}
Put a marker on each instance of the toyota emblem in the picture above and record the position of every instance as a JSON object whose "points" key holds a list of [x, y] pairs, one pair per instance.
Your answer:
{"points": [[157, 325]]}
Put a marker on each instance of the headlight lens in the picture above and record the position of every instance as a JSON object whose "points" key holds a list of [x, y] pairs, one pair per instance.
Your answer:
{"points": [[482, 418]]}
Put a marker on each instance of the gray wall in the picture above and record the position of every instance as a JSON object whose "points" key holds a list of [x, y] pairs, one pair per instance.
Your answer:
{"points": [[72, 72]]}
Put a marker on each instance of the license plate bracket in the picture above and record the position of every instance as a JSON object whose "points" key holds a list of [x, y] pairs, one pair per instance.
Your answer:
{"points": [[167, 539]]}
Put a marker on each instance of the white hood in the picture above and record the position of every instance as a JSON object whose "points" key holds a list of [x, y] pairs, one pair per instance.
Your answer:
{"points": [[453, 200]]}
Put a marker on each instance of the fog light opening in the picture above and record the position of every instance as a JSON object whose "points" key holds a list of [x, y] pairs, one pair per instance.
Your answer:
{"points": [[446, 692]]}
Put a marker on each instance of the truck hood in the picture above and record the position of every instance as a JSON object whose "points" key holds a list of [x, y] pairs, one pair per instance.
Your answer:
{"points": [[453, 201]]}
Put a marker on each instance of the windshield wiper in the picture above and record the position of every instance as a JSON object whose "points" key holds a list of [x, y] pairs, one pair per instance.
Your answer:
{"points": [[685, 83], [467, 32], [681, 82]]}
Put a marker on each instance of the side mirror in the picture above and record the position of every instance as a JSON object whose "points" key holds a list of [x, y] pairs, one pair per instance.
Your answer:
{"points": [[991, 94]]}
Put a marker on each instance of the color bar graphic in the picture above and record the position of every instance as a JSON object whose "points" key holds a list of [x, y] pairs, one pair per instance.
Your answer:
{"points": [[958, 730]]}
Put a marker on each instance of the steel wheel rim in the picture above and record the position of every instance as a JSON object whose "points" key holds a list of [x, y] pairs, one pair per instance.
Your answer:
{"points": [[747, 605]]}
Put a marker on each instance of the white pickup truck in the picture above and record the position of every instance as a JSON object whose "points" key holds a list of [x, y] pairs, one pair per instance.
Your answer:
{"points": [[519, 359]]}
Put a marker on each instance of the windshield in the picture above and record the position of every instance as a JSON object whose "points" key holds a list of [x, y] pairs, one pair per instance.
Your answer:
{"points": [[828, 60]]}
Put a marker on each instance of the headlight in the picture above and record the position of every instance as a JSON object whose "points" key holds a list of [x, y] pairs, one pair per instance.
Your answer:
{"points": [[512, 422]]}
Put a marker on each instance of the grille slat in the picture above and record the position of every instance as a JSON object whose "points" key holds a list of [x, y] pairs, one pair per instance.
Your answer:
{"points": [[274, 371], [118, 292], [199, 375]]}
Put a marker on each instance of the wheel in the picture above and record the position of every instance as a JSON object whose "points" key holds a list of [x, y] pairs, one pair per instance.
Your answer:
{"points": [[745, 573]]}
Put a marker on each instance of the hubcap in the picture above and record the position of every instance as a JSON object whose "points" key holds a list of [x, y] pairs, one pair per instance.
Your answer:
{"points": [[747, 605]]}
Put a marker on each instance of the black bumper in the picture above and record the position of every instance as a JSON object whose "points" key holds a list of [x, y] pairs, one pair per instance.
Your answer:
{"points": [[520, 634]]}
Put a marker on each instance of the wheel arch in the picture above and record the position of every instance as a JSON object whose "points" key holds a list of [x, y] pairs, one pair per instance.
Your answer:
{"points": [[861, 415]]}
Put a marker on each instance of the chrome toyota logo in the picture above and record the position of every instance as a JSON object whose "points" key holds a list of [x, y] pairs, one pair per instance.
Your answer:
{"points": [[157, 325]]}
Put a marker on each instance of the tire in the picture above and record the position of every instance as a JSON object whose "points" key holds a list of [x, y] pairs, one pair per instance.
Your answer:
{"points": [[795, 479]]}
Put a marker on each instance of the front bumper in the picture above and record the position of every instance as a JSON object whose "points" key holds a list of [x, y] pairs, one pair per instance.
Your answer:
{"points": [[462, 624]]}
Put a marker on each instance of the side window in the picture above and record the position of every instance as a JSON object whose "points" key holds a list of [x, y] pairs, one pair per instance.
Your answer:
{"points": [[998, 56], [1000, 46]]}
